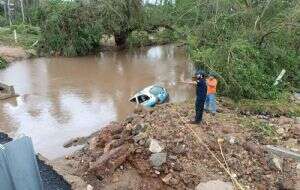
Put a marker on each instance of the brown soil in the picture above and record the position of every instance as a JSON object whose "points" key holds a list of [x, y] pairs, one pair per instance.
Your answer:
{"points": [[118, 156], [11, 54]]}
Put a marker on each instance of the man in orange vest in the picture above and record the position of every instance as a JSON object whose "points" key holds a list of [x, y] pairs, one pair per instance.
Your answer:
{"points": [[210, 102]]}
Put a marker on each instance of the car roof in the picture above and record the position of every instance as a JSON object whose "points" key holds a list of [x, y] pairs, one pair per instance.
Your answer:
{"points": [[145, 91]]}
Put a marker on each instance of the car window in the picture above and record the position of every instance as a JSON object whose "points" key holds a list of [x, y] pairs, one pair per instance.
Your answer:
{"points": [[133, 100], [142, 98], [156, 90]]}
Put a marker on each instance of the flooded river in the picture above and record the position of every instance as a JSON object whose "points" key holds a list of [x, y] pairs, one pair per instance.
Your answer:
{"points": [[62, 98]]}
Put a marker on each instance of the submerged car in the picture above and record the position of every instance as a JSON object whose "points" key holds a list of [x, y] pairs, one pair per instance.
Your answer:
{"points": [[150, 96]]}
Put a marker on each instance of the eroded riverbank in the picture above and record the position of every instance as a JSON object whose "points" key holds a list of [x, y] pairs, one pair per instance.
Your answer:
{"points": [[11, 54]]}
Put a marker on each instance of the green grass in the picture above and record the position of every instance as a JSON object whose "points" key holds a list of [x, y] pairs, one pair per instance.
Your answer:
{"points": [[283, 105], [26, 35], [262, 130]]}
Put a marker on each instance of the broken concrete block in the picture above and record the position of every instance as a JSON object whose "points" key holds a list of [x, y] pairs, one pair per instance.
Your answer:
{"points": [[282, 152]]}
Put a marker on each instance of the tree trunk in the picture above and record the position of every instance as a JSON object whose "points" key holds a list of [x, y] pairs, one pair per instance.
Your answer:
{"points": [[120, 39], [22, 10]]}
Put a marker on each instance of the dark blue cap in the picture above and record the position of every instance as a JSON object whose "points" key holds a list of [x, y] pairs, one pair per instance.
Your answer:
{"points": [[200, 73]]}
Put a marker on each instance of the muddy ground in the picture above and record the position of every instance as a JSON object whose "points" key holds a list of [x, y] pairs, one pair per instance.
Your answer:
{"points": [[11, 54], [158, 149]]}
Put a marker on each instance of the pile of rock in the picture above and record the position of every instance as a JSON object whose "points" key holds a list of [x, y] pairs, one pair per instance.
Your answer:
{"points": [[161, 149]]}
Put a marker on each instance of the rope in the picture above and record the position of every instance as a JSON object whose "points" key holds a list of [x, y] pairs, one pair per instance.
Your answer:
{"points": [[234, 180]]}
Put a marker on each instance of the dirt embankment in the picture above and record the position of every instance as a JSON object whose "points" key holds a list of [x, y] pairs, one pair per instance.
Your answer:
{"points": [[11, 54], [157, 149]]}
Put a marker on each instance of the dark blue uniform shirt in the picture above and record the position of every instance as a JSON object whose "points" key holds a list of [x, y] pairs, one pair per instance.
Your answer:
{"points": [[201, 89]]}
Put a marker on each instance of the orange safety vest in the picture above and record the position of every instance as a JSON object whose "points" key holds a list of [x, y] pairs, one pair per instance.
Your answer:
{"points": [[211, 85]]}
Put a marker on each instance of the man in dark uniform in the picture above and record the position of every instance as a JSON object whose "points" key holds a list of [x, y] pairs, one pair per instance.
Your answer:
{"points": [[201, 91]]}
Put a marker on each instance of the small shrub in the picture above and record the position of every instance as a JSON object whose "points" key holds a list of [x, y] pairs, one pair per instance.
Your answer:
{"points": [[165, 36], [3, 63], [3, 21], [138, 39]]}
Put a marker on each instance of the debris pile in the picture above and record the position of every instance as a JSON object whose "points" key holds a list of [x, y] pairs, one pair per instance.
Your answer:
{"points": [[157, 149]]}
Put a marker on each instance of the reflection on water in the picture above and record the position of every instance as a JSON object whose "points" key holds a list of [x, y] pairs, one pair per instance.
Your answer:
{"points": [[62, 98]]}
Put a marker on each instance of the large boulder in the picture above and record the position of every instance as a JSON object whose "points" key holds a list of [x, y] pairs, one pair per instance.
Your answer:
{"points": [[105, 136], [107, 163]]}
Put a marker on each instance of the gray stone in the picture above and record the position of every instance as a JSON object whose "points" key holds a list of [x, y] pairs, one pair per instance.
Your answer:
{"points": [[139, 137], [138, 129], [280, 130], [157, 159], [231, 139], [297, 120], [142, 142], [173, 157], [155, 146], [129, 119], [282, 152], [215, 185], [75, 142], [89, 187], [276, 162]]}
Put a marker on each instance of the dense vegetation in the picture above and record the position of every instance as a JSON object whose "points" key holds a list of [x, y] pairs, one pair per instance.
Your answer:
{"points": [[245, 42], [248, 45], [127, 21], [69, 28]]}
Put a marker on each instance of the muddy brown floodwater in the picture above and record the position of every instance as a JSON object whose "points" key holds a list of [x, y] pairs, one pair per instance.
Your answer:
{"points": [[62, 98]]}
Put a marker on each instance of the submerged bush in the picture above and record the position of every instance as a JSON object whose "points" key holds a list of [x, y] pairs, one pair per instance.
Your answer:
{"points": [[138, 39], [69, 28], [165, 36], [3, 21], [3, 63]]}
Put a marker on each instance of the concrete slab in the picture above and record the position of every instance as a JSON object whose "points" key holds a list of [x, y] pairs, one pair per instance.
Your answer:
{"points": [[282, 152]]}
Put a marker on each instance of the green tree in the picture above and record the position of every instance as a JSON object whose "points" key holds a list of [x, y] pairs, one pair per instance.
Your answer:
{"points": [[69, 28], [119, 18]]}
